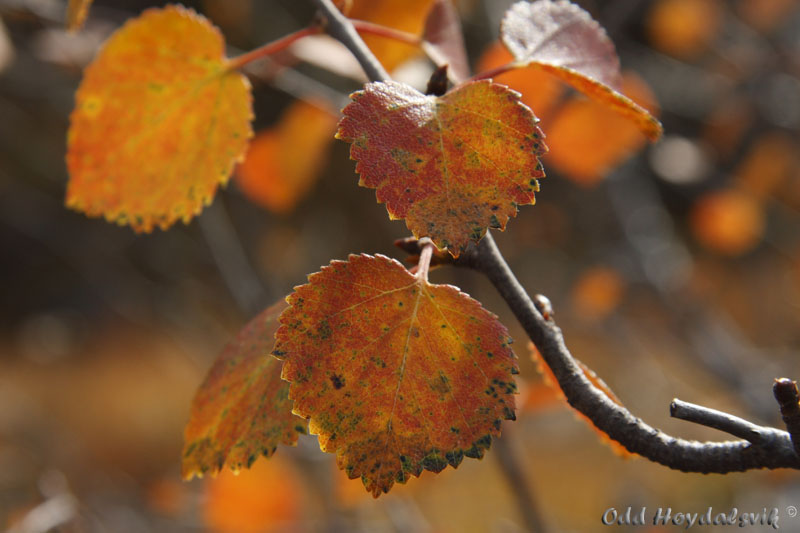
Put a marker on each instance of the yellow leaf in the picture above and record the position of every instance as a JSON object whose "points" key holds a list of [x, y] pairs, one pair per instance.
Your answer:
{"points": [[159, 122]]}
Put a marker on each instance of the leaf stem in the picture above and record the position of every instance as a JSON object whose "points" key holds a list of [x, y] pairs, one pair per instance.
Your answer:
{"points": [[272, 47], [370, 28], [497, 71], [424, 263]]}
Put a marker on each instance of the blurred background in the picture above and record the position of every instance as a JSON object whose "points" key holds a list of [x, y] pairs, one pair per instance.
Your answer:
{"points": [[674, 270]]}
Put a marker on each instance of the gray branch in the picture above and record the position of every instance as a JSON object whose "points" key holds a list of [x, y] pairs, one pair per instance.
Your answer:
{"points": [[774, 448]]}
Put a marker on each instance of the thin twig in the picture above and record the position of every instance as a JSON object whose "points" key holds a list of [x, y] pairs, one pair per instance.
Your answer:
{"points": [[231, 258], [496, 71], [271, 48], [517, 481], [363, 26], [738, 427]]}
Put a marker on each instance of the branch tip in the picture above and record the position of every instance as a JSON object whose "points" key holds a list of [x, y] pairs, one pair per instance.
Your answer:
{"points": [[785, 392]]}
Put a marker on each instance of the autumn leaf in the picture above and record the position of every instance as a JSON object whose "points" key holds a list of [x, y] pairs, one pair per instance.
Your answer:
{"points": [[561, 38], [728, 221], [443, 40], [267, 498], [283, 162], [597, 293], [158, 123], [451, 165], [241, 410], [77, 10], [550, 379], [540, 91], [685, 28], [396, 375], [602, 137]]}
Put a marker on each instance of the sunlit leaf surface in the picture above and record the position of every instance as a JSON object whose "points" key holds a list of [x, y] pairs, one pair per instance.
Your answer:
{"points": [[561, 38], [451, 166], [242, 410], [158, 122], [397, 375]]}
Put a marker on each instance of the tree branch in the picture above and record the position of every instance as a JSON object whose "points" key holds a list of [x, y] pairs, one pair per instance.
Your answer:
{"points": [[774, 448], [785, 391], [712, 418], [343, 31]]}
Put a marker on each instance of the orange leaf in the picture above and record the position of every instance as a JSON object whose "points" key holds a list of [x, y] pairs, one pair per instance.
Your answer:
{"points": [[594, 379], [158, 122], [602, 137], [452, 165], [728, 221], [242, 409], [685, 28], [404, 15], [563, 39], [597, 292], [397, 375], [77, 10], [540, 91], [268, 497], [283, 162]]}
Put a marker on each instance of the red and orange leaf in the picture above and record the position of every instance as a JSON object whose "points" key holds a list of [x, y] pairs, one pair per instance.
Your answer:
{"points": [[396, 375], [443, 40], [242, 409], [159, 122], [77, 11], [550, 379], [283, 162], [451, 165], [561, 38]]}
